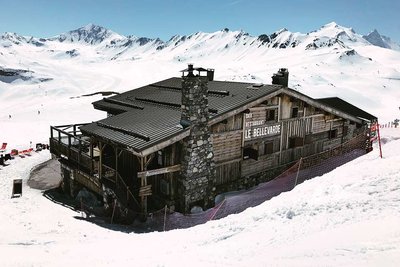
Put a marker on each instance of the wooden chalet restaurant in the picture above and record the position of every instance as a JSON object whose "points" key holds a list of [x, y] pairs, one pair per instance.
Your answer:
{"points": [[182, 141]]}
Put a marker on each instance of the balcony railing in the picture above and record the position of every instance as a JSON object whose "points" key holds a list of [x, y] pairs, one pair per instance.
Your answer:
{"points": [[68, 142]]}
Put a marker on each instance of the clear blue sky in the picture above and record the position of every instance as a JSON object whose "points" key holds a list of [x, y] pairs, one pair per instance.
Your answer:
{"points": [[165, 18]]}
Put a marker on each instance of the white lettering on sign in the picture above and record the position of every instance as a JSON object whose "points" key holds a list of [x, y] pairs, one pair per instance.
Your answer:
{"points": [[248, 115], [254, 123], [258, 128], [265, 130]]}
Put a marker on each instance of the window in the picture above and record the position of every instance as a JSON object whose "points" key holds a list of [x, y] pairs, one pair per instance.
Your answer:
{"points": [[295, 112], [269, 148], [250, 153], [332, 134], [271, 115], [295, 142]]}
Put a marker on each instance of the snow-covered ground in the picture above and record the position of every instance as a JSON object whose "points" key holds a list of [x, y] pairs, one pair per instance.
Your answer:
{"points": [[349, 217]]}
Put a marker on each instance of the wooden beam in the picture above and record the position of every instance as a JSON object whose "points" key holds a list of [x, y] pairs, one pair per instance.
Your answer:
{"points": [[100, 160], [116, 165], [145, 191], [171, 182], [320, 105], [168, 169], [165, 143], [148, 160]]}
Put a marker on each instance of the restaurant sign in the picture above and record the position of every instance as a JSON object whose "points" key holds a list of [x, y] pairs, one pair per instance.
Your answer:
{"points": [[258, 128]]}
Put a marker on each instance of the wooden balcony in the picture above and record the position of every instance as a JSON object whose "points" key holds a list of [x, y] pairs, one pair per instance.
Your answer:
{"points": [[67, 142]]}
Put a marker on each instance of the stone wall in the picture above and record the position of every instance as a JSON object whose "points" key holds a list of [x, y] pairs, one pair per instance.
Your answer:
{"points": [[196, 185]]}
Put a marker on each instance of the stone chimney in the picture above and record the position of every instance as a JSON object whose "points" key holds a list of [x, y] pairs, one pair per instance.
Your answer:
{"points": [[196, 184], [281, 78], [210, 74]]}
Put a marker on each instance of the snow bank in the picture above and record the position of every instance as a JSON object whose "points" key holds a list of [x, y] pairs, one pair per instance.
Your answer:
{"points": [[349, 217]]}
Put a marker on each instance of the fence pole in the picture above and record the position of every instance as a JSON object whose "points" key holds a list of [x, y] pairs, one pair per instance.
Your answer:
{"points": [[81, 207], [165, 216], [297, 174], [379, 141], [112, 216]]}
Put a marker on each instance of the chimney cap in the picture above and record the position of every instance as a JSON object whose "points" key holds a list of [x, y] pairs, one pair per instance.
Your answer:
{"points": [[198, 69], [190, 70], [281, 71]]}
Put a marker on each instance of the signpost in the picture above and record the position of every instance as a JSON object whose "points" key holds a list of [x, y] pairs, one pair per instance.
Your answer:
{"points": [[17, 188]]}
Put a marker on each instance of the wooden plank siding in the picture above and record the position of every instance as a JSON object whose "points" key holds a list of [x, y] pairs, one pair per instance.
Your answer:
{"points": [[227, 172], [227, 140], [298, 127], [227, 145], [295, 128], [320, 124], [293, 154], [230, 124], [263, 163]]}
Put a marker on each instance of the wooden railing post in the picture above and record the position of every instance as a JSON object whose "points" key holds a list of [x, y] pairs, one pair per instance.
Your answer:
{"points": [[116, 166], [143, 183], [127, 195], [79, 151], [69, 146], [91, 155], [100, 161]]}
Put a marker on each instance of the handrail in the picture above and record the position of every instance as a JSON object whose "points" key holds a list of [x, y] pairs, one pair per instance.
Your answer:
{"points": [[67, 134], [122, 180], [70, 125], [127, 188]]}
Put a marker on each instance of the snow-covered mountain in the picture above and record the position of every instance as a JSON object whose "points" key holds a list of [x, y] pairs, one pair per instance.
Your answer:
{"points": [[377, 39], [89, 34], [330, 61], [116, 46]]}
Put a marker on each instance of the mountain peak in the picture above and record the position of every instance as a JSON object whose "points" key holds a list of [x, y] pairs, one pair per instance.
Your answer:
{"points": [[376, 39], [331, 25], [375, 31], [90, 26], [90, 33]]}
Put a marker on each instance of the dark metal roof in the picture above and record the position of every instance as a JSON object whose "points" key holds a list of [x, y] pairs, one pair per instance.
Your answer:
{"points": [[151, 114], [344, 106], [138, 129]]}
